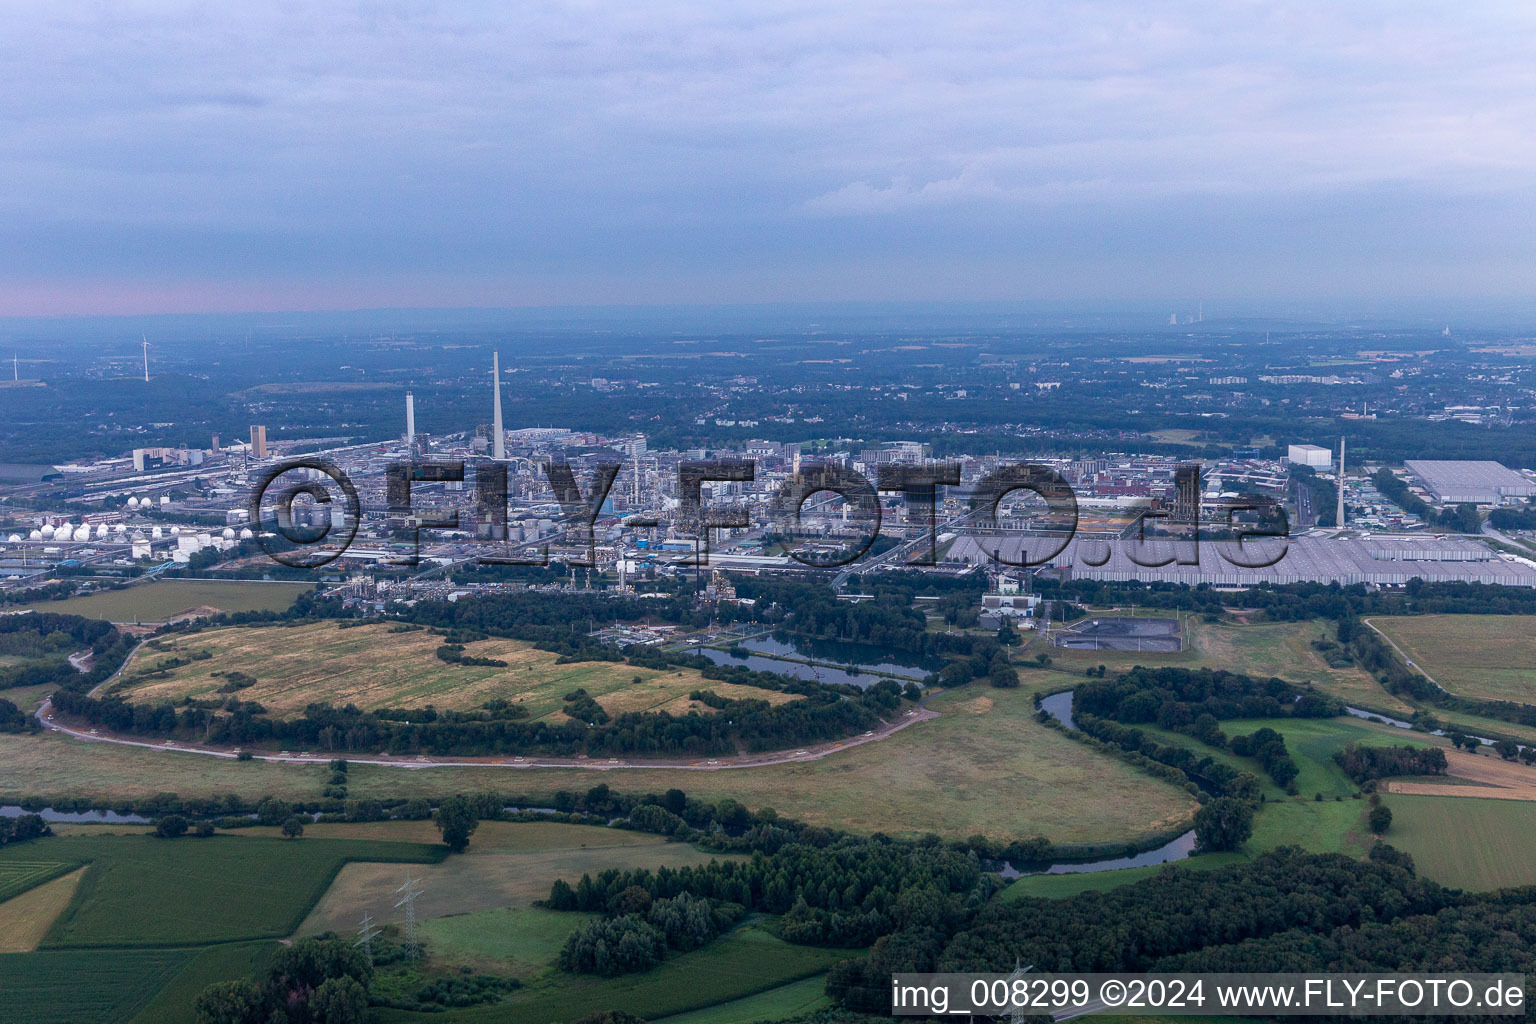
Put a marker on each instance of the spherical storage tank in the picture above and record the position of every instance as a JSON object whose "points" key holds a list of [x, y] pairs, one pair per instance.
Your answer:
{"points": [[228, 534], [14, 538], [155, 533], [35, 535], [133, 502], [46, 533], [120, 529], [246, 534], [102, 531], [82, 532], [175, 531]]}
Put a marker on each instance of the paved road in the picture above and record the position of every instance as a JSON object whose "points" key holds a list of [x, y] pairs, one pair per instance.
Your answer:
{"points": [[816, 752]]}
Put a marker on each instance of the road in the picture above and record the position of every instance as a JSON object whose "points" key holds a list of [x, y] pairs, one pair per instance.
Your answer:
{"points": [[815, 752], [1404, 655]]}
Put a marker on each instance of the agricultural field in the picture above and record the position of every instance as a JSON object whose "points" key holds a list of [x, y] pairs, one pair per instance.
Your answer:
{"points": [[25, 919], [164, 600], [375, 667], [793, 1000], [174, 1004], [1465, 842], [1489, 657], [84, 986], [19, 874], [139, 890], [1264, 649], [748, 961], [509, 864]]}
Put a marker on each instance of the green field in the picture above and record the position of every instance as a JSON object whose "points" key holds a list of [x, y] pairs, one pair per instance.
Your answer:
{"points": [[1490, 657], [798, 997], [745, 962], [1336, 824], [143, 891], [174, 1003], [1466, 842], [84, 986], [162, 600], [21, 874], [521, 941]]}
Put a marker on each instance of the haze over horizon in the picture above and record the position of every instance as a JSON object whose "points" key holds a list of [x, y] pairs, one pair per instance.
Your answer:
{"points": [[167, 158]]}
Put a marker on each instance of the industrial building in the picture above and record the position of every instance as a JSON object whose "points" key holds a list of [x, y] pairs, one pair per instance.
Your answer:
{"points": [[1376, 561], [1482, 483], [1309, 455]]}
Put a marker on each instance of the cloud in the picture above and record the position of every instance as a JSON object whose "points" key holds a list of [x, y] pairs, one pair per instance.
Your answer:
{"points": [[688, 148]]}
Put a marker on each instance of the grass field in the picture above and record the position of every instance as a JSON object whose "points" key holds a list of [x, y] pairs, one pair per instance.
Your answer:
{"points": [[798, 997], [985, 767], [25, 919], [163, 600], [83, 986], [508, 865], [520, 941], [174, 1004], [1491, 657], [1282, 649], [371, 667], [140, 891], [1464, 842], [747, 961], [1336, 824]]}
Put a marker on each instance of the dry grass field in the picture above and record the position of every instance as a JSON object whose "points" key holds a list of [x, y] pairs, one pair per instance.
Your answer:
{"points": [[1479, 775], [372, 667], [25, 919], [986, 766], [1491, 657]]}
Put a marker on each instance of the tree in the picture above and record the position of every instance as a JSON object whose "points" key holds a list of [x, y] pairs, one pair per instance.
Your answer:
{"points": [[230, 1002], [1224, 823], [339, 1001], [1381, 819], [203, 830], [1507, 749], [171, 826], [293, 828], [455, 819]]}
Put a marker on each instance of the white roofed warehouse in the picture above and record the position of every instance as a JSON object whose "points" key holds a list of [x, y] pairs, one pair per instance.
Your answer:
{"points": [[1481, 483]]}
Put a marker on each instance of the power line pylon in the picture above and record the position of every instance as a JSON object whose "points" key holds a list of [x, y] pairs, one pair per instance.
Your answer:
{"points": [[408, 894]]}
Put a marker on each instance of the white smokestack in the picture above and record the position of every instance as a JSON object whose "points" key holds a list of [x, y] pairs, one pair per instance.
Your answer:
{"points": [[1340, 514], [498, 436], [410, 419]]}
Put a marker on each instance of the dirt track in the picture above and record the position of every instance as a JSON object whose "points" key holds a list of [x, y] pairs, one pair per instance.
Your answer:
{"points": [[1496, 779]]}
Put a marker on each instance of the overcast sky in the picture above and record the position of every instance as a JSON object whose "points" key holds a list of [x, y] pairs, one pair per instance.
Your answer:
{"points": [[159, 157]]}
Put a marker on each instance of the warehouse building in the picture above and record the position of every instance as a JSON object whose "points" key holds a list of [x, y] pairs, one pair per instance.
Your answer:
{"points": [[1376, 561], [1309, 455], [1482, 483]]}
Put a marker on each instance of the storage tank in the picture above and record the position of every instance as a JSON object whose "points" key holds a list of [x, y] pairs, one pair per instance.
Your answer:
{"points": [[155, 533], [82, 532]]}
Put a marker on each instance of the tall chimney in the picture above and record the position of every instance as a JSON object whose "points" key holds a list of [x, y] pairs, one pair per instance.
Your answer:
{"points": [[498, 437], [1339, 516], [410, 420]]}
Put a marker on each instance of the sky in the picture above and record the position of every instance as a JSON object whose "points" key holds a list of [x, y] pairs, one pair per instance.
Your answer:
{"points": [[163, 157]]}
